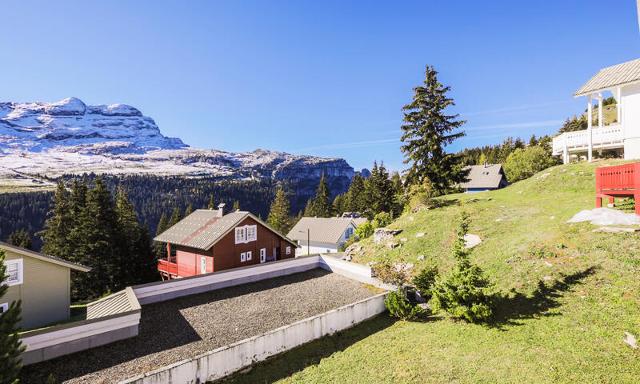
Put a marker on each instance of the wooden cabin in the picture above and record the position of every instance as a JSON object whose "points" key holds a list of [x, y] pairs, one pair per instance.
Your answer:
{"points": [[209, 241]]}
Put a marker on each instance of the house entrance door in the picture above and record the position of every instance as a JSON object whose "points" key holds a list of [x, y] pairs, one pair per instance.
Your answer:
{"points": [[203, 264]]}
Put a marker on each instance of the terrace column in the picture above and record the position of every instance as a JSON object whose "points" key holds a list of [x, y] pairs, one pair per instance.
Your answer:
{"points": [[600, 112], [619, 104], [589, 126]]}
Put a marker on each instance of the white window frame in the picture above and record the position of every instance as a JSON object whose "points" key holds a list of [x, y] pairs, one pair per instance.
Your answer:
{"points": [[263, 255], [20, 272], [288, 250], [243, 257], [249, 255], [246, 234], [4, 307]]}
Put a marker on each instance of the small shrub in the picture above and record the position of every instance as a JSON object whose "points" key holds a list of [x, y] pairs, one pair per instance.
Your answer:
{"points": [[465, 293], [424, 281], [389, 273], [364, 230], [381, 219], [399, 306], [541, 252]]}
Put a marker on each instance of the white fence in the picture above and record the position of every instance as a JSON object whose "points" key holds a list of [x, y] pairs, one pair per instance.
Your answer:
{"points": [[223, 361]]}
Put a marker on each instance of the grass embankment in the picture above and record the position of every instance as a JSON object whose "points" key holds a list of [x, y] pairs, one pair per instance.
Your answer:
{"points": [[572, 294]]}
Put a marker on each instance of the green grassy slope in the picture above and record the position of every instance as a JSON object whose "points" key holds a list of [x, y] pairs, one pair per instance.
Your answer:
{"points": [[573, 293]]}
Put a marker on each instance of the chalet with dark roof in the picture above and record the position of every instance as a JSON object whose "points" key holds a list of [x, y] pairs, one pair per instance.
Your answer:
{"points": [[209, 241], [484, 177]]}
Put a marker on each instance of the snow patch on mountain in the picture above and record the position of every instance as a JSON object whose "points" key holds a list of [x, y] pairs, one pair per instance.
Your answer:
{"points": [[70, 137]]}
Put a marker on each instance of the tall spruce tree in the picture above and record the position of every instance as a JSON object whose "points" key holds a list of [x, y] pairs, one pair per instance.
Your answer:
{"points": [[320, 204], [175, 217], [10, 344], [58, 225], [379, 191], [426, 131], [355, 198], [188, 210], [279, 217], [160, 249], [212, 202]]}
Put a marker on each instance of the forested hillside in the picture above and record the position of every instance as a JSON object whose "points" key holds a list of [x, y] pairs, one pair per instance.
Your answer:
{"points": [[154, 195]]}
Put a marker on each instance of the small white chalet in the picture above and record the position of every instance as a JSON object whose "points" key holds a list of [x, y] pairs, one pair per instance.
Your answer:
{"points": [[623, 82], [321, 234]]}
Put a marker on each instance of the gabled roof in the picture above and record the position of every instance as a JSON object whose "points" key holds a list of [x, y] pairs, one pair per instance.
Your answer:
{"points": [[205, 227], [609, 77], [484, 176], [321, 229], [43, 257]]}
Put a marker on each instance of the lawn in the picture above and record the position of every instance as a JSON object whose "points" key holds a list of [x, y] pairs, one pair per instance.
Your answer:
{"points": [[571, 294]]}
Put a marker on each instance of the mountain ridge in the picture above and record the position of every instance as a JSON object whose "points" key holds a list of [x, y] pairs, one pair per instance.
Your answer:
{"points": [[71, 137]]}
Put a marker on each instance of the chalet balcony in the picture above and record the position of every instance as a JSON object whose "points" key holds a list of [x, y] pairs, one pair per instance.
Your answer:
{"points": [[168, 268], [607, 137]]}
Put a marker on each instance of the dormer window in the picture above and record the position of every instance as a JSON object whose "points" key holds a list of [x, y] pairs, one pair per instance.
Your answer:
{"points": [[246, 234]]}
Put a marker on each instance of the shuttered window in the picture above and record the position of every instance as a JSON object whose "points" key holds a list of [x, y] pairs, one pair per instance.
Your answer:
{"points": [[246, 234], [14, 272]]}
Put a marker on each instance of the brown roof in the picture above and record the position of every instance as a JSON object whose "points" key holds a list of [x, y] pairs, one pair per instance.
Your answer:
{"points": [[484, 176], [321, 229], [619, 74], [204, 227], [43, 257]]}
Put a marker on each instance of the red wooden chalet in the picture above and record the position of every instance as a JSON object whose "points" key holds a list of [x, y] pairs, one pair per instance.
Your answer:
{"points": [[208, 241], [618, 181]]}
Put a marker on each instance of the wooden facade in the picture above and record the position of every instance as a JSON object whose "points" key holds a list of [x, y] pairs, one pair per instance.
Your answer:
{"points": [[226, 253]]}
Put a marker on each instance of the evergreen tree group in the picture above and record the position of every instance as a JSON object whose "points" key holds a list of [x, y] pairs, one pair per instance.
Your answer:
{"points": [[426, 132], [320, 205], [87, 225], [20, 238], [10, 345]]}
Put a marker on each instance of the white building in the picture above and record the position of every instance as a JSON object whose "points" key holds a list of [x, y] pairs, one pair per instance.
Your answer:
{"points": [[623, 135], [321, 234]]}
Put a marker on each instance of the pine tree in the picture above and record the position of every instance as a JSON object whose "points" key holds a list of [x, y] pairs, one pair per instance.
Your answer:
{"points": [[58, 225], [427, 130], [160, 249], [10, 344], [320, 204], [355, 198], [20, 238], [279, 217], [339, 204], [175, 217], [236, 205], [212, 203], [379, 191]]}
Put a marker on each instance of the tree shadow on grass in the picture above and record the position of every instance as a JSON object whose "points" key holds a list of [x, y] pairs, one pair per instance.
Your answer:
{"points": [[297, 359], [514, 307]]}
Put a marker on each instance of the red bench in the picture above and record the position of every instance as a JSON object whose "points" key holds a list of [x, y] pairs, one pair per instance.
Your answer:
{"points": [[618, 181]]}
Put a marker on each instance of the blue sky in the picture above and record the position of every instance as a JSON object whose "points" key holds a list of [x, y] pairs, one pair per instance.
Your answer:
{"points": [[317, 77]]}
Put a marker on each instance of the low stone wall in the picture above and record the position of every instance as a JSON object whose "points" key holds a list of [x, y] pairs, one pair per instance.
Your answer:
{"points": [[229, 359], [167, 290]]}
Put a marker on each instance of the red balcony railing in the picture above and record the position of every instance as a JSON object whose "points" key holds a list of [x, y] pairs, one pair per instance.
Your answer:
{"points": [[167, 267]]}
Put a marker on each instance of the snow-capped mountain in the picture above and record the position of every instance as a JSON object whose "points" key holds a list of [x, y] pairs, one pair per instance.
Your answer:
{"points": [[70, 137]]}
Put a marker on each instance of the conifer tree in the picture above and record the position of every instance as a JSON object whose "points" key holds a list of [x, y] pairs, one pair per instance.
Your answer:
{"points": [[339, 204], [236, 205], [20, 238], [426, 131], [320, 204], [379, 191], [355, 197], [279, 217], [58, 225], [175, 217], [10, 345], [160, 249], [212, 203], [188, 210]]}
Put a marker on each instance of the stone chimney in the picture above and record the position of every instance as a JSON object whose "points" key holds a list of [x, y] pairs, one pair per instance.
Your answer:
{"points": [[220, 209]]}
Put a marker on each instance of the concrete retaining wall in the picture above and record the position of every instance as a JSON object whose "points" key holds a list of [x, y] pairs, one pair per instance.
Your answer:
{"points": [[167, 290], [226, 360]]}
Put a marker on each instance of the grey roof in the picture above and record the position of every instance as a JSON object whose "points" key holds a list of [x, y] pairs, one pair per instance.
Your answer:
{"points": [[119, 302], [484, 176], [619, 74], [43, 257], [321, 229], [204, 227]]}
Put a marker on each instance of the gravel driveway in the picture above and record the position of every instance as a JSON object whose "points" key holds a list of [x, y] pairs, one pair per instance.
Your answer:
{"points": [[186, 327]]}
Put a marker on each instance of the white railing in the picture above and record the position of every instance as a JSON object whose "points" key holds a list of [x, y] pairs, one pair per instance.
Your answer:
{"points": [[607, 136]]}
